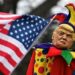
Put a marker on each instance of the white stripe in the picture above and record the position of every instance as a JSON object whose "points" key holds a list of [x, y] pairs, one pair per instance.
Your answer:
{"points": [[8, 16], [10, 52], [14, 41], [6, 64], [5, 21], [7, 26]]}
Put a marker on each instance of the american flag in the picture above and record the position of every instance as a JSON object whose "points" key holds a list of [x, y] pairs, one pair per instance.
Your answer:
{"points": [[5, 18], [16, 39]]}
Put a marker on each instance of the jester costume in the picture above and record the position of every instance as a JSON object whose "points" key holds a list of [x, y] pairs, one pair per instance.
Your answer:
{"points": [[50, 60]]}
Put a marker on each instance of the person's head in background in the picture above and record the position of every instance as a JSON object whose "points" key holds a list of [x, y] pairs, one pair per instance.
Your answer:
{"points": [[63, 36]]}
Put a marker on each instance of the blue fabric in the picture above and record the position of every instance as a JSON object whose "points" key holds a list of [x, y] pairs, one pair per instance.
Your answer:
{"points": [[73, 72], [44, 45]]}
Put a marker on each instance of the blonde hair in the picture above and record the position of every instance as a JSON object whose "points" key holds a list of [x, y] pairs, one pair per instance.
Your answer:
{"points": [[68, 28]]}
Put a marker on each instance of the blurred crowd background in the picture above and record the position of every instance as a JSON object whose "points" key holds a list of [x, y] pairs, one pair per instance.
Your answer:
{"points": [[37, 7], [43, 8]]}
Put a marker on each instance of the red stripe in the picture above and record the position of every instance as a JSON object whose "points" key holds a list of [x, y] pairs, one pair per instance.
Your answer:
{"points": [[13, 47], [8, 57], [7, 18], [3, 13], [4, 70], [4, 31], [1, 26]]}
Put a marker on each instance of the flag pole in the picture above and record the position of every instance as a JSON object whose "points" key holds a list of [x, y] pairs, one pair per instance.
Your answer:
{"points": [[36, 40]]}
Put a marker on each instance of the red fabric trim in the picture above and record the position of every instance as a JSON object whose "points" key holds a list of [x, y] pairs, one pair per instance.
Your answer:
{"points": [[31, 65], [73, 64], [54, 52], [60, 17], [60, 67]]}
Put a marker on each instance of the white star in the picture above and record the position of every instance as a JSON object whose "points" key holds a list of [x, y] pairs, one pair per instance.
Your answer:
{"points": [[43, 19], [30, 31], [36, 19], [11, 33], [14, 26], [26, 33], [24, 28], [17, 20], [27, 45], [41, 26], [27, 22], [38, 16], [36, 24], [28, 41], [32, 20], [26, 38], [22, 23], [17, 37], [18, 25], [15, 31], [28, 27], [36, 33], [31, 39], [31, 16], [22, 35], [23, 40], [32, 25], [20, 30], [22, 19], [34, 29], [37, 28], [40, 21], [30, 36]]}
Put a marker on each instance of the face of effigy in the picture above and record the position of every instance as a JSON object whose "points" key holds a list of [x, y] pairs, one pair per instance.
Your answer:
{"points": [[62, 38]]}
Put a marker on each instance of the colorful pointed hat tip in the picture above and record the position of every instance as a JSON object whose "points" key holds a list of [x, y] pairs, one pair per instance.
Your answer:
{"points": [[71, 15]]}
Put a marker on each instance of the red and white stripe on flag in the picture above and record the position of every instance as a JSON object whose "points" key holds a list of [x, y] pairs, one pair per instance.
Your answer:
{"points": [[10, 51], [6, 18]]}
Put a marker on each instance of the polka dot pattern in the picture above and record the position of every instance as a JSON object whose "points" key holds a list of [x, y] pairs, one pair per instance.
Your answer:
{"points": [[42, 59], [39, 54], [42, 65], [41, 69]]}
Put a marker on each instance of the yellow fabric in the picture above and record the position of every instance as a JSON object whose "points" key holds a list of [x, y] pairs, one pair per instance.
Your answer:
{"points": [[42, 64], [71, 9], [73, 54]]}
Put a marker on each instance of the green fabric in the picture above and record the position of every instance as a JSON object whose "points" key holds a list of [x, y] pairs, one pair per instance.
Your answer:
{"points": [[67, 56]]}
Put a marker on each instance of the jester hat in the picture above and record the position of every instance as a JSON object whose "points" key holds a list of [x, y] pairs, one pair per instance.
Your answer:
{"points": [[67, 20]]}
